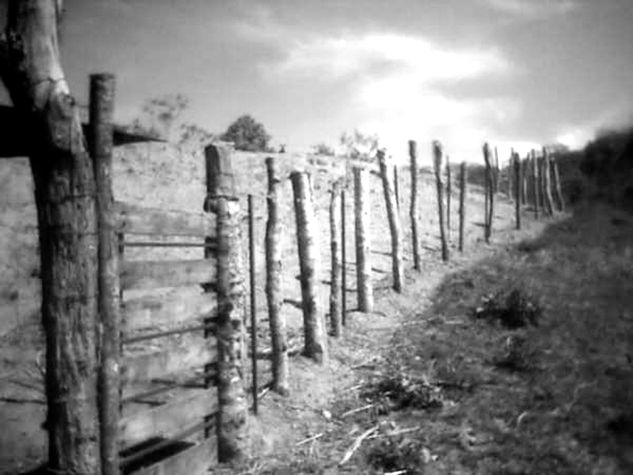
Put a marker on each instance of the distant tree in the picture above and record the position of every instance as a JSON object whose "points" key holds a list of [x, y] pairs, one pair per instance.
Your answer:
{"points": [[323, 149], [247, 134], [360, 146]]}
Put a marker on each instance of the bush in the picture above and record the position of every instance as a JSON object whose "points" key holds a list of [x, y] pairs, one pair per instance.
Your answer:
{"points": [[513, 309], [247, 134]]}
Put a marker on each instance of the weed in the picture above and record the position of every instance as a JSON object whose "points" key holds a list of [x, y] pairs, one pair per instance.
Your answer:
{"points": [[394, 454], [517, 355], [400, 391], [513, 309]]}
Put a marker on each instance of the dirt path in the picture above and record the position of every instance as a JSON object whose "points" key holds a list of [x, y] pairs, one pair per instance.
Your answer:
{"points": [[564, 408]]}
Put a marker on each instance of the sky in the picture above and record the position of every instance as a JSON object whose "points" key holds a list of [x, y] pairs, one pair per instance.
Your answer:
{"points": [[515, 73]]}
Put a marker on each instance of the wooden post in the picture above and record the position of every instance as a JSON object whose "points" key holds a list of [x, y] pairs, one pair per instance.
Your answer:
{"points": [[413, 208], [394, 224], [557, 185], [524, 180], [516, 161], [448, 198], [363, 265], [511, 177], [276, 319], [462, 204], [335, 267], [65, 197], [343, 261], [396, 185], [232, 406], [315, 345], [251, 258], [535, 184], [100, 145], [547, 184], [490, 192], [437, 162], [496, 172]]}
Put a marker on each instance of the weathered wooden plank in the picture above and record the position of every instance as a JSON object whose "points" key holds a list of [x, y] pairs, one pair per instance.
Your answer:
{"points": [[132, 219], [168, 419], [158, 364], [155, 311], [154, 274], [194, 460]]}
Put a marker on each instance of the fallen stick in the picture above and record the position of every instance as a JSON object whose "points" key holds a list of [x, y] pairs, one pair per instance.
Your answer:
{"points": [[395, 432], [354, 411], [357, 443], [309, 439]]}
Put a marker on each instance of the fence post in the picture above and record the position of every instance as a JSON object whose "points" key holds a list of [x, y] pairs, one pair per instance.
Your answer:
{"points": [[462, 204], [524, 181], [448, 197], [394, 224], [364, 286], [495, 173], [232, 405], [335, 262], [413, 208], [396, 185], [100, 142], [251, 258], [535, 184], [276, 319], [490, 192], [547, 184], [343, 261], [437, 162], [315, 345], [516, 162], [511, 177], [557, 185]]}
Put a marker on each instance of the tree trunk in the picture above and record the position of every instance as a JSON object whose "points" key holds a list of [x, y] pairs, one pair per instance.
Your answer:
{"points": [[315, 345], [364, 286], [535, 184], [462, 204], [516, 161], [66, 210], [547, 185], [100, 143], [232, 408], [343, 260], [557, 185], [437, 162], [394, 224], [490, 192], [524, 181], [276, 319], [335, 260], [253, 301], [413, 209], [448, 198]]}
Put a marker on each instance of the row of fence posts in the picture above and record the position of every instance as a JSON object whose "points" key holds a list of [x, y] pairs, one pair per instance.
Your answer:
{"points": [[314, 322]]}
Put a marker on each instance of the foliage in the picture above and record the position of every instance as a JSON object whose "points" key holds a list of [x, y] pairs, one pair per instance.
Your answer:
{"points": [[162, 117], [512, 309], [247, 134], [393, 454], [323, 149], [400, 391], [360, 146]]}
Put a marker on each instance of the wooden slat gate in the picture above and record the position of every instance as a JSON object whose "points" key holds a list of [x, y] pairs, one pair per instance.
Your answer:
{"points": [[168, 348]]}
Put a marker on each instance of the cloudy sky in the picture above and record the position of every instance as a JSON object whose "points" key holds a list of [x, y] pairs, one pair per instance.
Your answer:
{"points": [[513, 72]]}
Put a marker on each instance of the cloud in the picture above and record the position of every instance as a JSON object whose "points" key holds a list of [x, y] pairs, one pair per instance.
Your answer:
{"points": [[532, 8]]}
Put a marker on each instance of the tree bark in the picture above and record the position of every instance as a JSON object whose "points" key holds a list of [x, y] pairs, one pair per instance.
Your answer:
{"points": [[557, 185], [364, 286], [413, 208], [462, 204], [490, 193], [437, 162], [100, 143], [65, 198], [394, 224], [335, 260], [315, 345], [276, 319], [232, 408], [516, 161], [535, 184]]}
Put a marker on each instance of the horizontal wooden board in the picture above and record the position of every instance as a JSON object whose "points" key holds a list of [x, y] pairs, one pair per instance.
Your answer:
{"points": [[156, 311], [194, 353], [132, 219], [154, 274], [168, 419], [194, 460]]}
